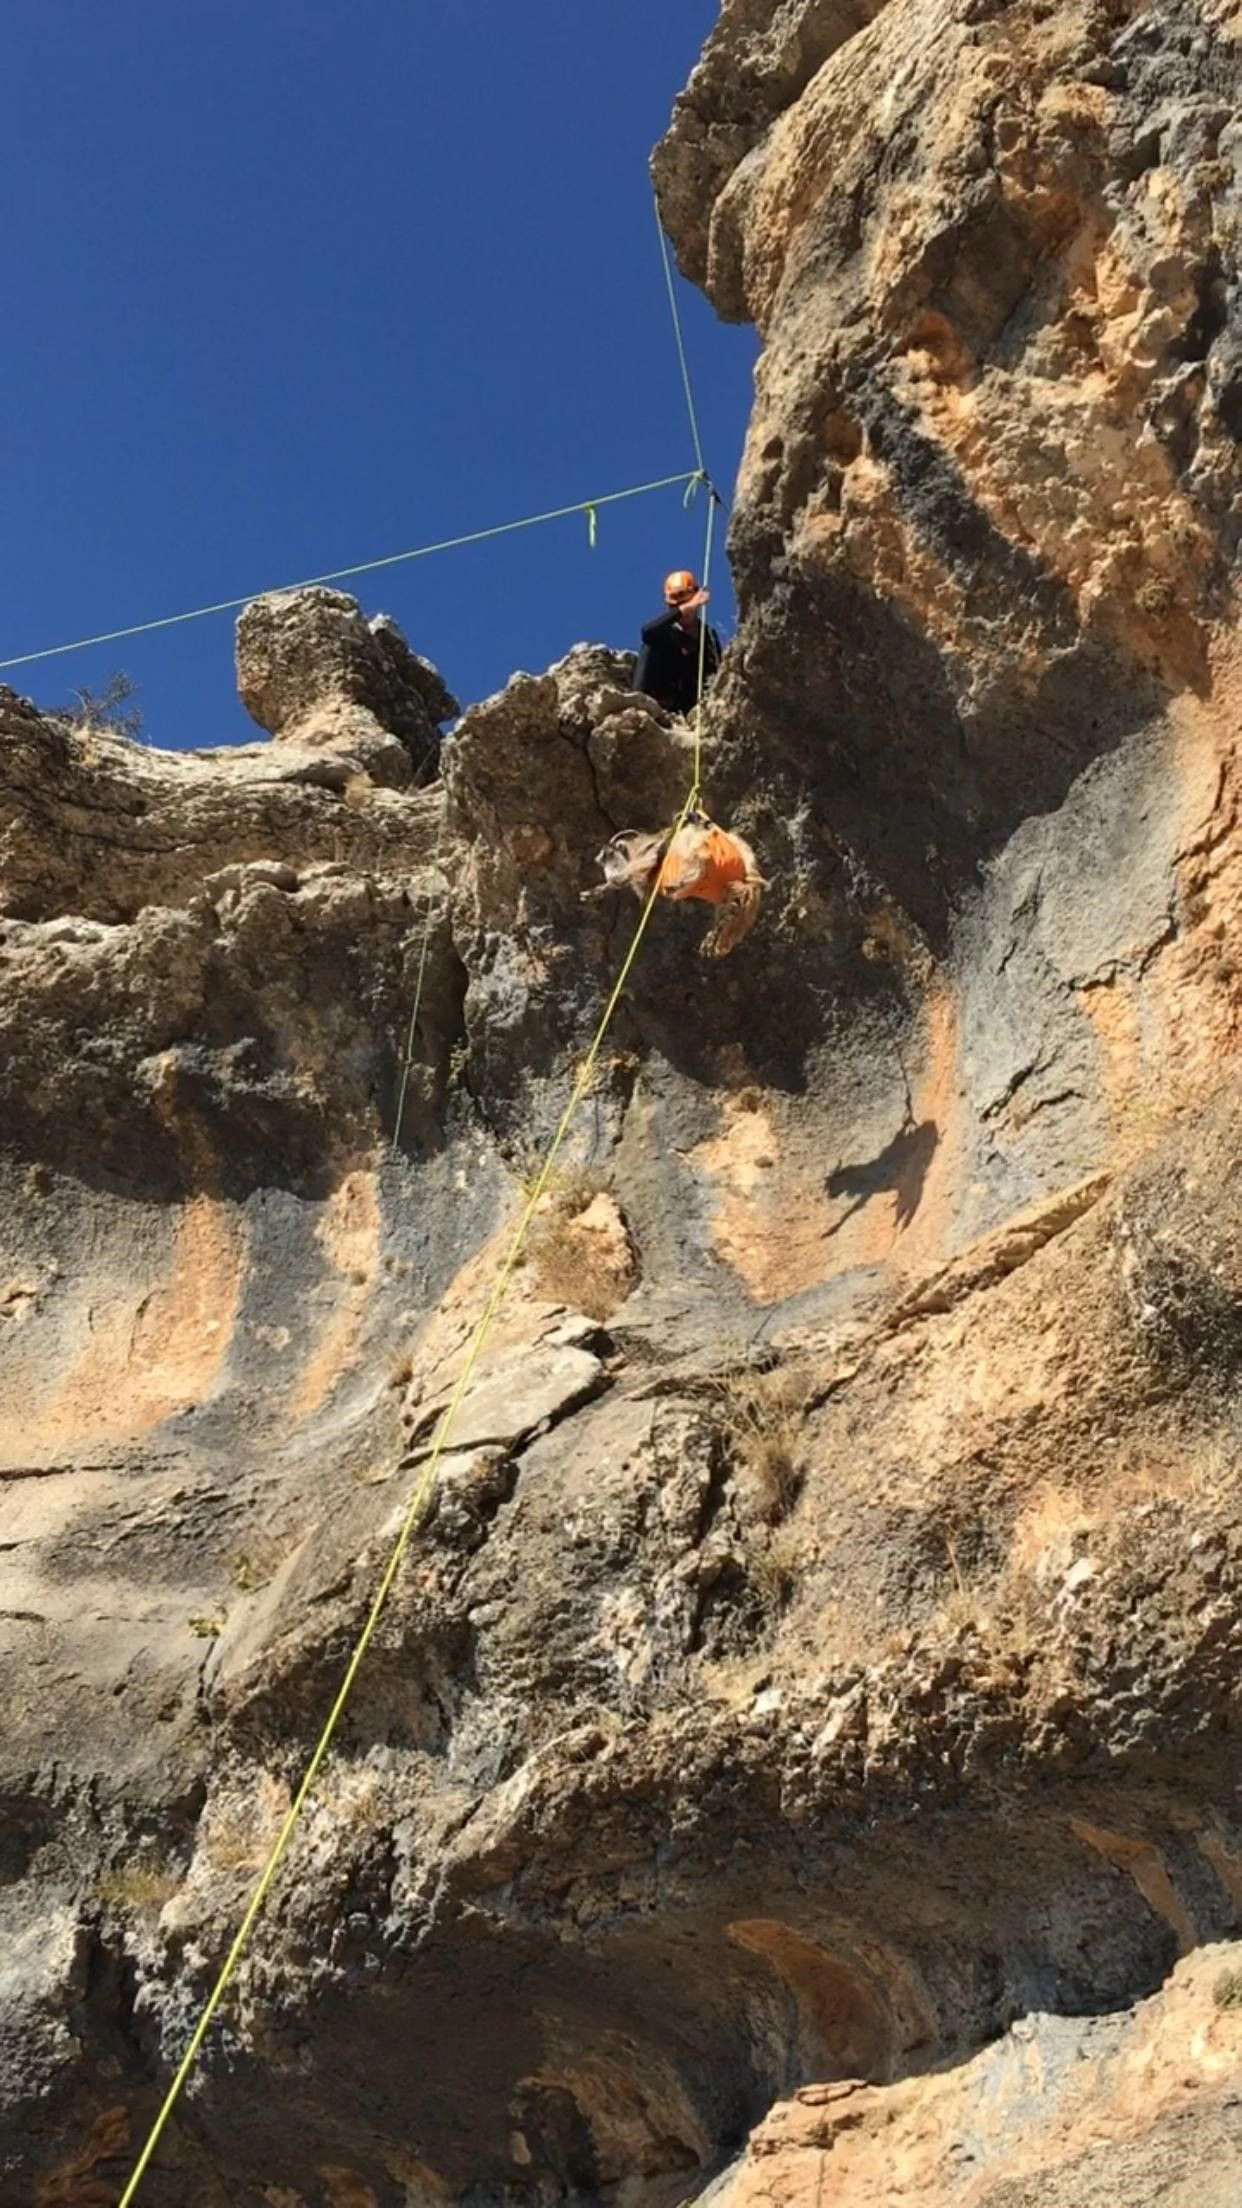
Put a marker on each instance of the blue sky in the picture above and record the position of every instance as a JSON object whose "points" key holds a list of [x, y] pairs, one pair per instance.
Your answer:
{"points": [[291, 285]]}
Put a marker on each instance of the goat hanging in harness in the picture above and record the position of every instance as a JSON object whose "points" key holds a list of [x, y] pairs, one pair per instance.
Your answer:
{"points": [[698, 861]]}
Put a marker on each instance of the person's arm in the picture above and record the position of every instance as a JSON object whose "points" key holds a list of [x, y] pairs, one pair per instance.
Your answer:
{"points": [[655, 636], [655, 631]]}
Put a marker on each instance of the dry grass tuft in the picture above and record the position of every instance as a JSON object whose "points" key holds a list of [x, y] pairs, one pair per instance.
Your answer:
{"points": [[241, 1839], [1006, 1619], [356, 1798], [960, 1612], [571, 1263], [137, 1886], [401, 1370], [766, 1415], [235, 1849], [110, 709], [570, 1188], [1144, 1118], [773, 1572], [567, 1271], [256, 1566]]}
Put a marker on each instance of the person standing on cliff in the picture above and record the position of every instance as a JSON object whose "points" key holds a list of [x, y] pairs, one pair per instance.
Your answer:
{"points": [[674, 646]]}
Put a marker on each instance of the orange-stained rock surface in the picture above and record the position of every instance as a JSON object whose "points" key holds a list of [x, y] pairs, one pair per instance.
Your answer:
{"points": [[1119, 2113], [806, 1708]]}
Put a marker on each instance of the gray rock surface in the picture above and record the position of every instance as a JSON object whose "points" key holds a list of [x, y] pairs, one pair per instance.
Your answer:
{"points": [[826, 1659]]}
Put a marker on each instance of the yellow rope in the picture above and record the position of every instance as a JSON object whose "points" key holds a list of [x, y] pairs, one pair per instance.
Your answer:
{"points": [[698, 704], [421, 975], [420, 1500], [425, 1486], [681, 343], [700, 476], [587, 506]]}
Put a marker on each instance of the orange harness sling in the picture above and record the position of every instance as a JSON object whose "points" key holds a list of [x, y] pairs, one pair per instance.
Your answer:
{"points": [[725, 866]]}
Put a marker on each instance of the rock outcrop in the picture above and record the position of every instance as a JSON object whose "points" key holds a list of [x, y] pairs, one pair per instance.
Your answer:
{"points": [[1140, 2109], [313, 671], [810, 1706]]}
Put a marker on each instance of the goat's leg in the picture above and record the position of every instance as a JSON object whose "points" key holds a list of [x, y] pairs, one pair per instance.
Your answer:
{"points": [[734, 921]]}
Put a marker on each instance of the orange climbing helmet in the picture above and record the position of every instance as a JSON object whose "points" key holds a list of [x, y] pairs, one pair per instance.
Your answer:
{"points": [[680, 584]]}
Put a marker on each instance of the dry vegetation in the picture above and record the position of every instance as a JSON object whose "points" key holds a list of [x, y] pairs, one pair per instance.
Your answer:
{"points": [[773, 1570], [355, 1796], [255, 1566], [239, 1837], [765, 1415], [571, 1262], [1019, 1608], [110, 708], [401, 1370], [568, 1272], [137, 1886]]}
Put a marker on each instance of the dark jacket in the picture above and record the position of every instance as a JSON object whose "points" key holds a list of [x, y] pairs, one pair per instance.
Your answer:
{"points": [[668, 665]]}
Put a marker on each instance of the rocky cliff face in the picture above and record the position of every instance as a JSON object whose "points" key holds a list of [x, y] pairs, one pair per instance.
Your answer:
{"points": [[812, 1704]]}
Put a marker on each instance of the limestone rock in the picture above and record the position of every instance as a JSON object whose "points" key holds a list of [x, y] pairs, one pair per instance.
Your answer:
{"points": [[1142, 2109], [757, 61], [614, 1712], [518, 1395], [993, 263], [809, 1698], [313, 670]]}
